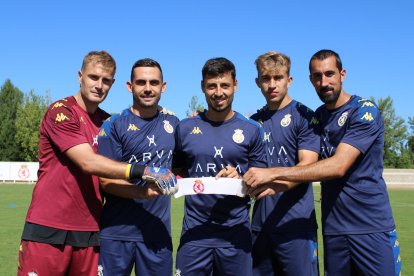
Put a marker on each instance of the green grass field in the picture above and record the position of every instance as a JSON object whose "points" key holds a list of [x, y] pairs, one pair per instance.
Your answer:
{"points": [[15, 198]]}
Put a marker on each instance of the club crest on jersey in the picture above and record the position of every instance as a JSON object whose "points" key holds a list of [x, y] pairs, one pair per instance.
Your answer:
{"points": [[238, 136], [198, 186], [342, 119], [286, 120], [168, 127]]}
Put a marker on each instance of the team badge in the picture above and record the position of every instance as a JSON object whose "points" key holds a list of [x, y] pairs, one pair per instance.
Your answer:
{"points": [[286, 120], [198, 186], [238, 136], [342, 119], [168, 127]]}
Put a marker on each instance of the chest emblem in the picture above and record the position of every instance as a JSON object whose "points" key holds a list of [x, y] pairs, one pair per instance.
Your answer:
{"points": [[238, 136], [342, 119], [286, 120], [168, 127]]}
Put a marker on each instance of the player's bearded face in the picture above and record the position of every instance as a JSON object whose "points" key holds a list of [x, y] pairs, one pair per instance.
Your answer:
{"points": [[146, 86], [327, 79], [219, 91]]}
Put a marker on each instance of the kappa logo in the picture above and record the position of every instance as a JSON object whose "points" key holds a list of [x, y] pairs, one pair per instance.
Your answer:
{"points": [[369, 104], [314, 121], [58, 104], [367, 116], [102, 133], [132, 127], [60, 118], [196, 130]]}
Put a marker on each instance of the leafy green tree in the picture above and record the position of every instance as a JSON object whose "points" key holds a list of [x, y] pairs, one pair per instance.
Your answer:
{"points": [[395, 136], [194, 106], [10, 99], [410, 142], [29, 115]]}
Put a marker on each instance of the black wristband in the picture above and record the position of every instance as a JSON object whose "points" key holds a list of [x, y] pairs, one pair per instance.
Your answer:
{"points": [[137, 171]]}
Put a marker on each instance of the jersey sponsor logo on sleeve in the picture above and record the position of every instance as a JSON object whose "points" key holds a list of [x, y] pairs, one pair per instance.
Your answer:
{"points": [[286, 120], [367, 116], [58, 104], [102, 132], [168, 127], [238, 136], [132, 127], [314, 121], [369, 104], [342, 119], [60, 117], [196, 130]]}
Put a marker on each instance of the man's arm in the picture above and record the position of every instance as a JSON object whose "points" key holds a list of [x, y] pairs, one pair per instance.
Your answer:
{"points": [[330, 168], [305, 157], [92, 163], [125, 189]]}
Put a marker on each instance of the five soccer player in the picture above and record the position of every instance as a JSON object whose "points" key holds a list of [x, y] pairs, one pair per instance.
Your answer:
{"points": [[276, 154]]}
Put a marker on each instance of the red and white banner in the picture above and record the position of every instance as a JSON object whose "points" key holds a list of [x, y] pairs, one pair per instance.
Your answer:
{"points": [[210, 185]]}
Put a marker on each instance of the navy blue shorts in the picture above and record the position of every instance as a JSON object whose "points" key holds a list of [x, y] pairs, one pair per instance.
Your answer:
{"points": [[285, 254], [363, 254], [118, 258], [196, 260]]}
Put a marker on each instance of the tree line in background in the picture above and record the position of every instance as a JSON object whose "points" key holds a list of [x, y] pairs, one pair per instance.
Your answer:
{"points": [[21, 114]]}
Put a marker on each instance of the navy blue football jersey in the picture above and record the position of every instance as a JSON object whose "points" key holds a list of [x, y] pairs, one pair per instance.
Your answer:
{"points": [[129, 138], [287, 130], [358, 202], [204, 148]]}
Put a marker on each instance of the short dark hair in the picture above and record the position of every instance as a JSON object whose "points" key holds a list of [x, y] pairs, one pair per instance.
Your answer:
{"points": [[217, 67], [324, 54], [145, 62]]}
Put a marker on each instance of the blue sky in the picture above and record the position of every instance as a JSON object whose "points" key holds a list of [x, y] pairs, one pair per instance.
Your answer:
{"points": [[43, 43]]}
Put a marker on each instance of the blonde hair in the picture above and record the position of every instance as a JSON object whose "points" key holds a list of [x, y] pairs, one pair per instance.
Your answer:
{"points": [[272, 61], [101, 57]]}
